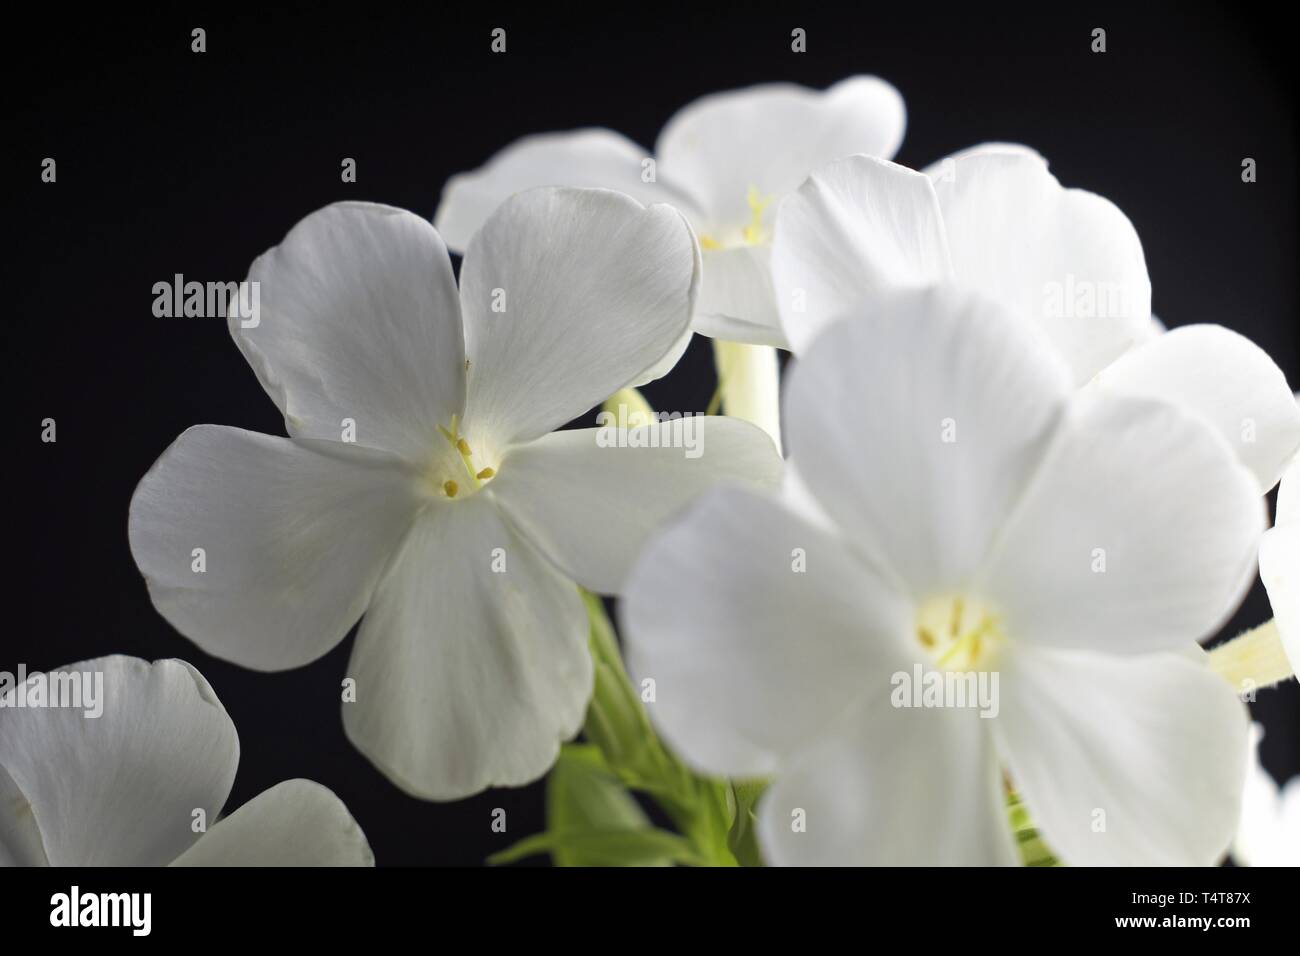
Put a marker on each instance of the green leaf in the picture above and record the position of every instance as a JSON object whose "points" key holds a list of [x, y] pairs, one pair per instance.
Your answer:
{"points": [[743, 838], [583, 794], [607, 847]]}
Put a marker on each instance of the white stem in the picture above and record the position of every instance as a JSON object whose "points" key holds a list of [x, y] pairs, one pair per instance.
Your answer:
{"points": [[749, 378]]}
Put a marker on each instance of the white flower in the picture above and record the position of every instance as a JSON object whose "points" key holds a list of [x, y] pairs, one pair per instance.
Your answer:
{"points": [[132, 786], [1067, 261], [1269, 832], [725, 161], [985, 518], [455, 520], [1279, 564]]}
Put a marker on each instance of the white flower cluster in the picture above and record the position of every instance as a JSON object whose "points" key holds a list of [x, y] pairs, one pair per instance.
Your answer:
{"points": [[1004, 480]]}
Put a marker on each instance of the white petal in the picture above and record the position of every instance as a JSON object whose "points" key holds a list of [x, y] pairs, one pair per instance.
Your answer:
{"points": [[1137, 533], [121, 789], [359, 320], [946, 168], [295, 823], [20, 837], [1227, 379], [590, 505], [1124, 761], [773, 135], [584, 157], [857, 226], [753, 658], [916, 424], [294, 536], [1064, 259], [1279, 564], [736, 302], [468, 676], [596, 289], [891, 787]]}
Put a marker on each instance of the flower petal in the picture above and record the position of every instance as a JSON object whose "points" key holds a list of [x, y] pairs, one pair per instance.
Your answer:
{"points": [[736, 302], [295, 823], [857, 226], [1279, 564], [20, 837], [1132, 761], [1138, 532], [1065, 259], [773, 135], [891, 787], [471, 665], [569, 295], [294, 536], [751, 656], [946, 168], [121, 789], [1227, 379], [359, 321], [590, 498], [917, 423], [584, 157]]}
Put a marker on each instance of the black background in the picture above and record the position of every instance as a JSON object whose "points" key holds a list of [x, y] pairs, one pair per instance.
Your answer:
{"points": [[170, 161]]}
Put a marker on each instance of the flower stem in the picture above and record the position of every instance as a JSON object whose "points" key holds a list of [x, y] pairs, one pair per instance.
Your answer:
{"points": [[749, 384], [1252, 660]]}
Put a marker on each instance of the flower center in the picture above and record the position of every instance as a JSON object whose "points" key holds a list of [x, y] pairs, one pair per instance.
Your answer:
{"points": [[959, 634], [752, 234], [453, 471]]}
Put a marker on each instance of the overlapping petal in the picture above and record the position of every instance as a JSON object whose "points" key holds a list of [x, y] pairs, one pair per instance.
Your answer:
{"points": [[771, 136], [569, 295], [1124, 761], [359, 322], [1137, 533], [1225, 378], [292, 535], [471, 665], [590, 498], [917, 424], [597, 158], [758, 629], [121, 789], [295, 823]]}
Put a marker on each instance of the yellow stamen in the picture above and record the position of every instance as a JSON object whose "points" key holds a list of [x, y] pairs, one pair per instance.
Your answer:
{"points": [[485, 474], [708, 242], [462, 446], [450, 487], [754, 232]]}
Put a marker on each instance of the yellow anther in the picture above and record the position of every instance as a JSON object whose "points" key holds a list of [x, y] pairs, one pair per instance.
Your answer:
{"points": [[959, 634], [462, 446], [754, 232], [485, 474], [708, 242], [450, 487]]}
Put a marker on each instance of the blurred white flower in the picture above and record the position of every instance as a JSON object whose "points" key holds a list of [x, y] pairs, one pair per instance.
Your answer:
{"points": [[1066, 261], [1269, 833], [981, 517], [1279, 564], [143, 784], [724, 160], [422, 484]]}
